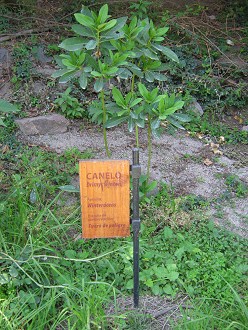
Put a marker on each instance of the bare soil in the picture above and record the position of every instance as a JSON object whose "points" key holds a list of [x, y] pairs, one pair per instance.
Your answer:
{"points": [[187, 164]]}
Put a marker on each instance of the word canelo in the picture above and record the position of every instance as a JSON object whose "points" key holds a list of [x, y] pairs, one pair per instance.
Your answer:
{"points": [[103, 175]]}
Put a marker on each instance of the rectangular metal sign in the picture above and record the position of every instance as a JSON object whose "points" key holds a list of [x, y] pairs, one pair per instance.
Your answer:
{"points": [[105, 198]]}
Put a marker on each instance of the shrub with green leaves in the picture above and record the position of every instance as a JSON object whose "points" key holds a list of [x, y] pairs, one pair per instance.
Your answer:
{"points": [[107, 52]]}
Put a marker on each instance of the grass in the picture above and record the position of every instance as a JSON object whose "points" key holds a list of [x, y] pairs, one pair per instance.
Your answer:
{"points": [[50, 279], [207, 315]]}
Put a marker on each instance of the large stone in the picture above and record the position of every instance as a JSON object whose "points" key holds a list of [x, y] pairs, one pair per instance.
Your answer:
{"points": [[196, 108], [41, 125]]}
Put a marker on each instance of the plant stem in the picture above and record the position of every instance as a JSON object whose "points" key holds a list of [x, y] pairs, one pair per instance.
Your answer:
{"points": [[98, 53], [149, 137], [104, 122], [137, 135], [136, 126], [132, 83]]}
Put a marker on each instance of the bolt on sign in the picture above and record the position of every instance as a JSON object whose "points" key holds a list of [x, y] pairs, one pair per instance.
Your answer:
{"points": [[105, 198]]}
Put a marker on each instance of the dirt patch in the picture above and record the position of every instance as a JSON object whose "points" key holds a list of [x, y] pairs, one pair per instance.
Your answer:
{"points": [[177, 160], [154, 312], [233, 215]]}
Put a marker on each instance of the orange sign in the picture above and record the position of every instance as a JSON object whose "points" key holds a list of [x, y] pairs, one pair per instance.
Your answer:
{"points": [[105, 198]]}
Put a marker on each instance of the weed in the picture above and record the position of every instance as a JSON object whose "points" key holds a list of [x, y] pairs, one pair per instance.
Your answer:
{"points": [[205, 316], [207, 126], [4, 22], [69, 105], [23, 65], [6, 108], [192, 202], [53, 49], [236, 185], [140, 9]]}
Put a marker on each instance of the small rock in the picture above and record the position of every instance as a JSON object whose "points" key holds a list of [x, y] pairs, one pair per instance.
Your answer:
{"points": [[196, 108], [230, 42], [245, 128], [41, 125], [40, 55], [212, 17], [5, 91], [4, 55], [46, 71], [38, 88]]}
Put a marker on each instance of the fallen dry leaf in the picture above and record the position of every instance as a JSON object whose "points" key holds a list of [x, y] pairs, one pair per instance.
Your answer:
{"points": [[221, 139], [214, 145], [207, 162], [5, 149], [217, 151], [239, 119], [200, 136]]}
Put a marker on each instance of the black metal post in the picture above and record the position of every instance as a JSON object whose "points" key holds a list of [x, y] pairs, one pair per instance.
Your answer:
{"points": [[136, 172]]}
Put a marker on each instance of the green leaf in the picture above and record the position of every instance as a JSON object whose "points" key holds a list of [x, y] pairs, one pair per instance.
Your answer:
{"points": [[111, 70], [4, 278], [13, 272], [162, 31], [118, 97], [96, 74], [172, 276], [168, 233], [83, 80], [69, 188], [68, 64], [91, 44], [82, 30], [109, 25], [71, 254], [115, 32], [159, 76], [167, 52], [148, 53], [135, 102], [149, 283], [179, 252], [156, 290], [155, 124], [143, 91], [168, 289], [182, 117], [174, 122], [2, 123], [131, 124], [60, 73], [98, 86], [123, 73], [85, 20], [151, 186], [103, 13], [129, 284], [7, 107], [149, 76], [67, 77], [115, 121], [72, 44], [140, 123]]}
